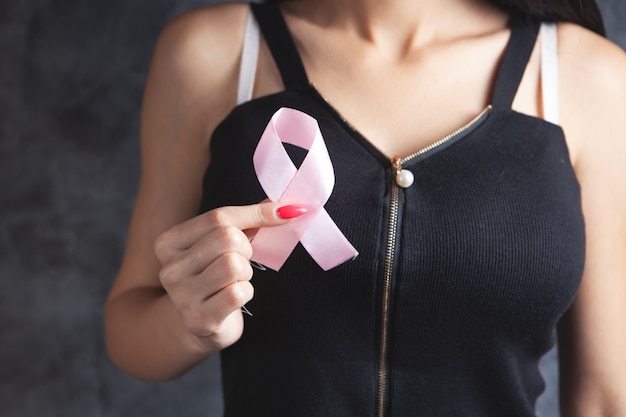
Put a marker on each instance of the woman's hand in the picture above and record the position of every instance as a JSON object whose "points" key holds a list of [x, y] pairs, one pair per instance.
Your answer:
{"points": [[206, 270]]}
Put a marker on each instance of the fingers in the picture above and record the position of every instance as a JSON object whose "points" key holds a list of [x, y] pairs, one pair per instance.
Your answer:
{"points": [[185, 289], [207, 300], [223, 304], [220, 323], [221, 319], [216, 243], [253, 216], [205, 264]]}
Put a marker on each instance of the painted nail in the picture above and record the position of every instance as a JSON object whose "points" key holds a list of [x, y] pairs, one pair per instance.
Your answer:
{"points": [[291, 211]]}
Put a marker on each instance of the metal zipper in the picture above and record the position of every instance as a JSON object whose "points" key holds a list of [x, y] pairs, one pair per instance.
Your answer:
{"points": [[422, 151], [390, 253], [392, 232], [445, 139]]}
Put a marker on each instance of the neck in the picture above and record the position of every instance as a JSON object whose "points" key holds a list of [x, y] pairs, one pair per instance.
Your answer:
{"points": [[403, 22]]}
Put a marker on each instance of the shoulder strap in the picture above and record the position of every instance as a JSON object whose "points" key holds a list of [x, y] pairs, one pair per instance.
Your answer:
{"points": [[280, 42], [249, 58], [549, 72], [516, 56]]}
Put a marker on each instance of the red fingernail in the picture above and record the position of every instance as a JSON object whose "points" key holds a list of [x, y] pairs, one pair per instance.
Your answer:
{"points": [[291, 211]]}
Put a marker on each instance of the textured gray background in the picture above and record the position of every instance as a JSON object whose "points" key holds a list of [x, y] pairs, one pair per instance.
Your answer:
{"points": [[71, 79]]}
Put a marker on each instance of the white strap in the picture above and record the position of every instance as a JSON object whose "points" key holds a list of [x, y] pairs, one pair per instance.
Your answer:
{"points": [[550, 72], [549, 66], [249, 58]]}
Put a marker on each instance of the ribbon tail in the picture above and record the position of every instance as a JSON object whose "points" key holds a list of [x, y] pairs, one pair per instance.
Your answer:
{"points": [[326, 244], [272, 246]]}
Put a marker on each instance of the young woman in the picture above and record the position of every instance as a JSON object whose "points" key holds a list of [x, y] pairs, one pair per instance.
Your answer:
{"points": [[477, 158]]}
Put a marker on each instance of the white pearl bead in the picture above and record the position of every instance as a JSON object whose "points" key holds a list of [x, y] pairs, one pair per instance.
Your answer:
{"points": [[404, 178]]}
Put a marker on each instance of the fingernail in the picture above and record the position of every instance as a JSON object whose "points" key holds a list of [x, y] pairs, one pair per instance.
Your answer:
{"points": [[291, 211]]}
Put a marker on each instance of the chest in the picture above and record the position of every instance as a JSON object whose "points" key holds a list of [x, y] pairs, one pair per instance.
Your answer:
{"points": [[493, 214], [483, 251], [402, 107]]}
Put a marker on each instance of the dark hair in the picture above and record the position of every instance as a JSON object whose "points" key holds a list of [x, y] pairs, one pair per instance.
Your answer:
{"points": [[583, 12]]}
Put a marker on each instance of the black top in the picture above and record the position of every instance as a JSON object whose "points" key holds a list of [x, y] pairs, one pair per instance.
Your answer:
{"points": [[460, 280]]}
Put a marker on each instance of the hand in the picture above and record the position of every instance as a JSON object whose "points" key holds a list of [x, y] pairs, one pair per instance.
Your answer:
{"points": [[206, 270]]}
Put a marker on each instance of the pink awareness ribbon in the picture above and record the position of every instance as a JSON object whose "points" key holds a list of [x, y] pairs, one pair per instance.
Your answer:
{"points": [[311, 185]]}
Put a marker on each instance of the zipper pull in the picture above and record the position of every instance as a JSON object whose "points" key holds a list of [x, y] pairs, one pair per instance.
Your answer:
{"points": [[404, 177]]}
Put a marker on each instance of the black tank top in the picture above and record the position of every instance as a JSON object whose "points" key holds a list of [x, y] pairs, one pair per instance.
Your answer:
{"points": [[460, 280]]}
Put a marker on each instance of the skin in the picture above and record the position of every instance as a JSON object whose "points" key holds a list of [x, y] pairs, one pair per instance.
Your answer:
{"points": [[184, 277]]}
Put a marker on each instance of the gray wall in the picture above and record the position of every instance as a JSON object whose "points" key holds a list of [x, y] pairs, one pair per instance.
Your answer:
{"points": [[71, 79]]}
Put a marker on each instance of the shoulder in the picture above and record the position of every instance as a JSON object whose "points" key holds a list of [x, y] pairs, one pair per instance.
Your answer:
{"points": [[207, 39], [199, 50], [591, 64], [209, 27], [194, 71], [591, 58], [592, 78]]}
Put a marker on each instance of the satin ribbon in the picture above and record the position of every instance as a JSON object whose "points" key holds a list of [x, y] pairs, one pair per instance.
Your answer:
{"points": [[310, 185]]}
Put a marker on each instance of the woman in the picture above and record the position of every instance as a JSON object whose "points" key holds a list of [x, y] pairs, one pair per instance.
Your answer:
{"points": [[472, 245]]}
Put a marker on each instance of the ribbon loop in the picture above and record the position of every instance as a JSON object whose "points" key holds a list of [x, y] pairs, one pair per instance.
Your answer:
{"points": [[310, 184]]}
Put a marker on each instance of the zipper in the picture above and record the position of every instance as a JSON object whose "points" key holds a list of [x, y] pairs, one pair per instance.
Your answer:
{"points": [[392, 234], [469, 125], [390, 254]]}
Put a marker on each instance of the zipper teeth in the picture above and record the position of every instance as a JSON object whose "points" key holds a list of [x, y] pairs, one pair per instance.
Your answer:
{"points": [[388, 273], [391, 241], [391, 252], [452, 135], [422, 151]]}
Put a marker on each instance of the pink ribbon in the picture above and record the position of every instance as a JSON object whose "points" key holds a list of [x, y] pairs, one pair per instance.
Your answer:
{"points": [[310, 185]]}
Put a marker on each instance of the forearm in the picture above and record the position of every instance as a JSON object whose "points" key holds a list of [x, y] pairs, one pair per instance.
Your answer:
{"points": [[146, 338]]}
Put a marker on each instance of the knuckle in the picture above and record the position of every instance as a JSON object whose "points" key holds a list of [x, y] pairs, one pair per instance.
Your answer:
{"points": [[235, 266], [231, 237], [161, 246], [263, 213], [260, 214], [217, 217], [239, 294], [169, 274]]}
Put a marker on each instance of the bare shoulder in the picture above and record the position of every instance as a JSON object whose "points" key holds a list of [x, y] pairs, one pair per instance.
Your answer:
{"points": [[203, 32], [588, 50], [592, 75], [198, 54]]}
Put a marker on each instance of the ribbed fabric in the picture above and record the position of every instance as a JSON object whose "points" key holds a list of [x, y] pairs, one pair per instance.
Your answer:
{"points": [[489, 256]]}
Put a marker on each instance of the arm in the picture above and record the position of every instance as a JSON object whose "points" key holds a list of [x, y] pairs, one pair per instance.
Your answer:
{"points": [[592, 336], [152, 333]]}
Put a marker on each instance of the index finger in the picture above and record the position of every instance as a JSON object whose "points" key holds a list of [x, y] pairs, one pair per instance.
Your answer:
{"points": [[244, 218]]}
